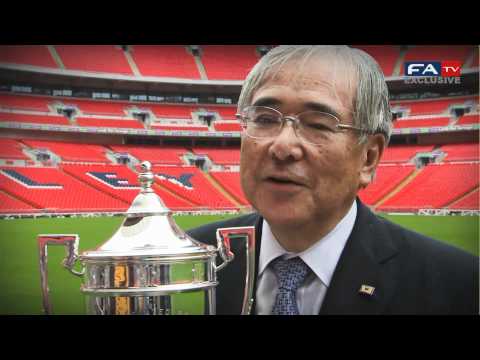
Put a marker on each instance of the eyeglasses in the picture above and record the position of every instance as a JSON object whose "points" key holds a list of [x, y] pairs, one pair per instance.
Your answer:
{"points": [[312, 126]]}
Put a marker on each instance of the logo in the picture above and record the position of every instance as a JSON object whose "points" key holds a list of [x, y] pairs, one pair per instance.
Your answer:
{"points": [[432, 72]]}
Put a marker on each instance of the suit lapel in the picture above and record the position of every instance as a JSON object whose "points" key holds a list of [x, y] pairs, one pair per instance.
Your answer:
{"points": [[367, 261]]}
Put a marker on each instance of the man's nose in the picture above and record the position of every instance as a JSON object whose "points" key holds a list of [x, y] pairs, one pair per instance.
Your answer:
{"points": [[287, 145]]}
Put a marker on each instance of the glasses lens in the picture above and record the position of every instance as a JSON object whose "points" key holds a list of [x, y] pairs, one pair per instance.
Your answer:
{"points": [[262, 121], [315, 126]]}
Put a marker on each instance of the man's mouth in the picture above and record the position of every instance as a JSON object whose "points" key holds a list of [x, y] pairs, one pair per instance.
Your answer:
{"points": [[283, 180]]}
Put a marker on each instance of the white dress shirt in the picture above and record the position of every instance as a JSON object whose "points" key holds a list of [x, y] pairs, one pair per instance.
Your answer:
{"points": [[322, 258]]}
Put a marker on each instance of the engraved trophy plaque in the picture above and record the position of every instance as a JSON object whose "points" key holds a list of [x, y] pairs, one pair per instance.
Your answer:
{"points": [[150, 266]]}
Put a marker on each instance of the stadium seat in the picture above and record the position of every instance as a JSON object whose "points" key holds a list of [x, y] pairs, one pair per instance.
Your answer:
{"points": [[435, 187], [221, 156], [33, 118], [231, 62], [55, 191], [71, 151], [25, 102], [165, 61], [231, 182], [96, 58], [11, 149], [385, 55], [36, 55], [154, 154]]}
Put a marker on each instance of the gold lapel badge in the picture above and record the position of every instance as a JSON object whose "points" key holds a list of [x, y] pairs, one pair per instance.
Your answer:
{"points": [[367, 290]]}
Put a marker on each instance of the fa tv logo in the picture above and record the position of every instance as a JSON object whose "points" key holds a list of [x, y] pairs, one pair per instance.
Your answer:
{"points": [[451, 68]]}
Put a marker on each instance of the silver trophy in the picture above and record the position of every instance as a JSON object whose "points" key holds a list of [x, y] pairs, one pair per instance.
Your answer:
{"points": [[150, 266]]}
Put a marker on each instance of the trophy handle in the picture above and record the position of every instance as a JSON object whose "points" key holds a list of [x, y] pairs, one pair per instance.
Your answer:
{"points": [[224, 236], [71, 247]]}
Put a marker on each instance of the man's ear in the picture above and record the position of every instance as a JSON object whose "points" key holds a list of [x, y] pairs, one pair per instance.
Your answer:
{"points": [[372, 153]]}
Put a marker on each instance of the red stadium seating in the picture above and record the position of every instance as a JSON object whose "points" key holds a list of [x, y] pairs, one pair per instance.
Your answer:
{"points": [[435, 187], [461, 152], [429, 107], [154, 154], [403, 153], [421, 123], [109, 123], [469, 202], [53, 190], [119, 182], [231, 182], [227, 126], [11, 149], [438, 53], [98, 107], [221, 156], [165, 61], [71, 151], [228, 62], [97, 58], [10, 204], [385, 55], [37, 55], [25, 102], [469, 119], [164, 127], [387, 178], [34, 119], [191, 184]]}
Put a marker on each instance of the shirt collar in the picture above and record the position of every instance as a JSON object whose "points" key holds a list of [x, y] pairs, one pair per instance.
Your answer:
{"points": [[322, 257]]}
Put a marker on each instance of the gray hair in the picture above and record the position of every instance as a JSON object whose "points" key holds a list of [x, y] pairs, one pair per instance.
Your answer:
{"points": [[370, 106]]}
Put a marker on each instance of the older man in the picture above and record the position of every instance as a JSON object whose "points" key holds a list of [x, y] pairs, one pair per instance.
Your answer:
{"points": [[316, 120]]}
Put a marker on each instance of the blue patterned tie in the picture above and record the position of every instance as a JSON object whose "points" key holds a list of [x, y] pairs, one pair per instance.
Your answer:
{"points": [[290, 275]]}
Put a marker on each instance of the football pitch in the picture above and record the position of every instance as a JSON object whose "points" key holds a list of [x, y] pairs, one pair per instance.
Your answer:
{"points": [[19, 269]]}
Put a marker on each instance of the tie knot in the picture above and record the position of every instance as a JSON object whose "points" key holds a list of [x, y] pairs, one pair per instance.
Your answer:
{"points": [[290, 273]]}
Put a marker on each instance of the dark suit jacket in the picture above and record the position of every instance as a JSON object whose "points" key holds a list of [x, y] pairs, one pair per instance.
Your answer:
{"points": [[411, 273]]}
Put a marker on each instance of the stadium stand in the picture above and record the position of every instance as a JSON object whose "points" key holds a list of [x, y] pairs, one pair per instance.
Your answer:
{"points": [[36, 55], [96, 107], [119, 182], [154, 154], [190, 183], [53, 190], [430, 107], [227, 126], [232, 63], [403, 123], [469, 202], [25, 102], [221, 156], [231, 182], [165, 127], [434, 187], [165, 61], [403, 153], [386, 179], [33, 118], [109, 123], [10, 204], [11, 149], [71, 151], [461, 152], [386, 56], [96, 58], [468, 119]]}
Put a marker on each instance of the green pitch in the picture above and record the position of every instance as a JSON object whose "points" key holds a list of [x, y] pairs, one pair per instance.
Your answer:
{"points": [[19, 270]]}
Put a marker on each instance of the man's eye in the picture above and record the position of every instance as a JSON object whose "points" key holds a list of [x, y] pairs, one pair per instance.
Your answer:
{"points": [[265, 119], [318, 126]]}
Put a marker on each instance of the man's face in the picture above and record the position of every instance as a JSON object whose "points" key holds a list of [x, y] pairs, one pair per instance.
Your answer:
{"points": [[294, 183]]}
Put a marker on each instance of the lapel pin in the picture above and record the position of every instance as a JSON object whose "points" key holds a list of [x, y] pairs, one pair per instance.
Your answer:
{"points": [[367, 290]]}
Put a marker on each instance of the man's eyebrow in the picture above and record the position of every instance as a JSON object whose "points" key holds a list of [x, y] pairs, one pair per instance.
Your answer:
{"points": [[322, 108], [267, 101]]}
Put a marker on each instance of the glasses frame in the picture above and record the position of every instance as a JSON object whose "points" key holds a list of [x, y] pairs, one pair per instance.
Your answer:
{"points": [[295, 122]]}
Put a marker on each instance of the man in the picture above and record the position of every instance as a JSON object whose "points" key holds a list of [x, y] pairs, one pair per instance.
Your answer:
{"points": [[316, 121]]}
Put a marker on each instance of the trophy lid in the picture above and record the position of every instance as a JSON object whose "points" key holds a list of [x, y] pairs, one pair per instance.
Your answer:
{"points": [[149, 230]]}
